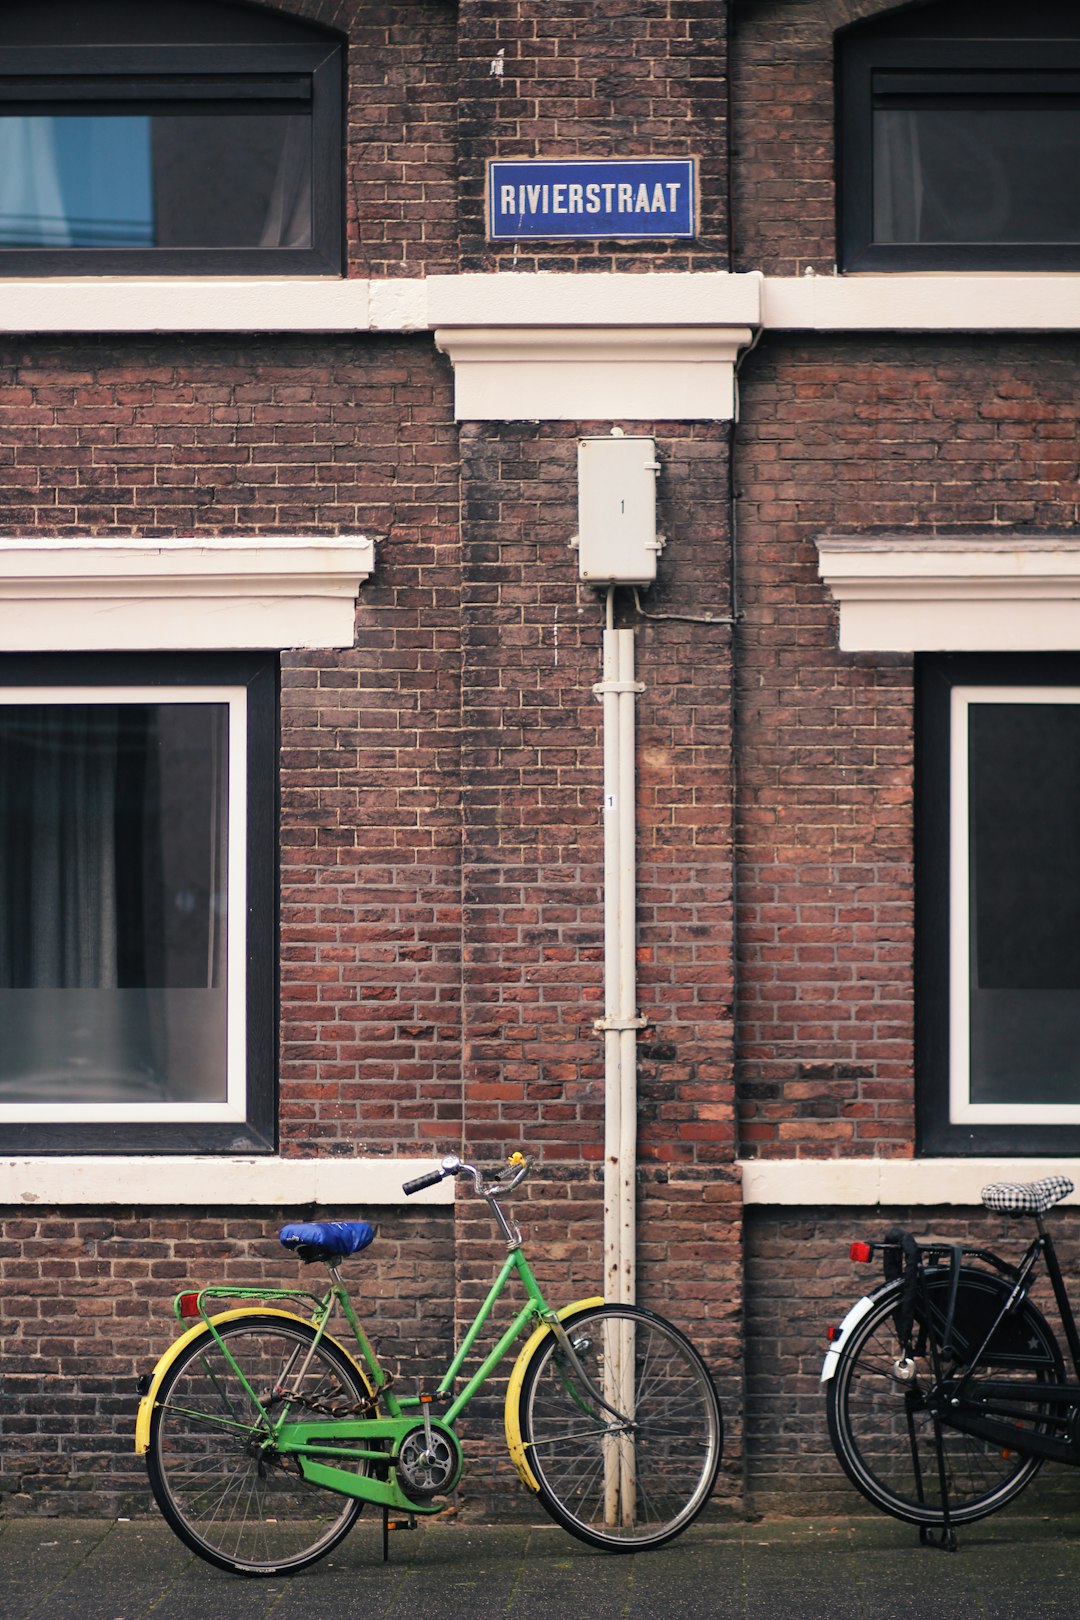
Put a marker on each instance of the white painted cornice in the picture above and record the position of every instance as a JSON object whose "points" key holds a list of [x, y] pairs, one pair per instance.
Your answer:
{"points": [[636, 374], [347, 1184], [86, 594], [870, 1182], [917, 593]]}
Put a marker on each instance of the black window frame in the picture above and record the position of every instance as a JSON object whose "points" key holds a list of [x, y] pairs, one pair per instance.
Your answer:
{"points": [[935, 677], [871, 66], [135, 77], [258, 673]]}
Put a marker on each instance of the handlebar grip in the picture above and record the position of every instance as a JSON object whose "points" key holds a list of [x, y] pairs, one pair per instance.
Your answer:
{"points": [[432, 1179]]}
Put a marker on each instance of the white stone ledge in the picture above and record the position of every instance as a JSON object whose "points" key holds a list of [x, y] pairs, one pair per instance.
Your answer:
{"points": [[922, 303], [1019, 302], [274, 591], [918, 593], [870, 1182], [348, 1185]]}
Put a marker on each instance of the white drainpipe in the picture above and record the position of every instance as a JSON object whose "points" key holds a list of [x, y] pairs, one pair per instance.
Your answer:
{"points": [[620, 1022]]}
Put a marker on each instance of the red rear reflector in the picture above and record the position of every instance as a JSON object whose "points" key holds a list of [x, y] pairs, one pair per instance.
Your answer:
{"points": [[861, 1252], [189, 1305], [833, 1333]]}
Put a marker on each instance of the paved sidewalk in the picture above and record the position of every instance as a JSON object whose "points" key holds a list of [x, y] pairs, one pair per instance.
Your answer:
{"points": [[830, 1569]]}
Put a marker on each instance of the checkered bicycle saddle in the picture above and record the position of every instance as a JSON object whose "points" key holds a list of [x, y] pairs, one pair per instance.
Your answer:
{"points": [[1026, 1197], [326, 1240]]}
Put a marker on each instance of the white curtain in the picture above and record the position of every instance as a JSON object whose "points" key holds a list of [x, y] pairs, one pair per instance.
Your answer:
{"points": [[32, 207]]}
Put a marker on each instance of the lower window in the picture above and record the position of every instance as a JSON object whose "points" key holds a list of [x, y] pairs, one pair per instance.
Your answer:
{"points": [[137, 888], [998, 895]]}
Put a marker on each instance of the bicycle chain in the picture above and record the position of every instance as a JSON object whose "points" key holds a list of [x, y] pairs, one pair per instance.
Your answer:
{"points": [[324, 1410], [365, 1409]]}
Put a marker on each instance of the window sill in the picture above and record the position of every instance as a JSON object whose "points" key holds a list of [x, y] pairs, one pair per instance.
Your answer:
{"points": [[871, 1182], [923, 301], [212, 1182], [210, 304]]}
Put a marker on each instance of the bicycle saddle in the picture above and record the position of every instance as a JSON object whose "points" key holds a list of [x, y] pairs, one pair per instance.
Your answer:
{"points": [[326, 1240], [1026, 1197]]}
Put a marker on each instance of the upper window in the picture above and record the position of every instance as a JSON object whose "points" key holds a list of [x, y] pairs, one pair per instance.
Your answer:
{"points": [[959, 138], [998, 895], [178, 137], [137, 798]]}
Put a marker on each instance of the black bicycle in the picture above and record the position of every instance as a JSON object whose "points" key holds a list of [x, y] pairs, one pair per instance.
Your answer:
{"points": [[946, 1388]]}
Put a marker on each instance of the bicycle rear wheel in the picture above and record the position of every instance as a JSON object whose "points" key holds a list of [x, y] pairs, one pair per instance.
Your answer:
{"points": [[227, 1496], [882, 1429], [636, 1476]]}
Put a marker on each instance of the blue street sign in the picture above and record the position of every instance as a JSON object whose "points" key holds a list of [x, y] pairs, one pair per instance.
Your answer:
{"points": [[626, 197]]}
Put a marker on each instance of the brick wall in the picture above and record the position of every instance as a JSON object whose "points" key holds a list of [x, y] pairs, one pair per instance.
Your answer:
{"points": [[441, 781], [853, 436], [532, 783], [532, 886], [618, 78]]}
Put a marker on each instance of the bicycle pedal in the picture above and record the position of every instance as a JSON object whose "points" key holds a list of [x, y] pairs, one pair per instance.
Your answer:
{"points": [[401, 1524]]}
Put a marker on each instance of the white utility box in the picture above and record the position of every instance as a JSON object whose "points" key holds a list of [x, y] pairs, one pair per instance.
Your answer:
{"points": [[617, 542]]}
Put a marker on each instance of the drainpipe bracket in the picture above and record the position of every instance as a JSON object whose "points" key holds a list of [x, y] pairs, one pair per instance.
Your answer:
{"points": [[617, 686], [602, 1025]]}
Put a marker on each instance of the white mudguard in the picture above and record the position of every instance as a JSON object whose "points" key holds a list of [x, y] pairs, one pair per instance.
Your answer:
{"points": [[832, 1355]]}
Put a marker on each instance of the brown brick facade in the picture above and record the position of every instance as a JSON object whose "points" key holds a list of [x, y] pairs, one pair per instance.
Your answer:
{"points": [[441, 779]]}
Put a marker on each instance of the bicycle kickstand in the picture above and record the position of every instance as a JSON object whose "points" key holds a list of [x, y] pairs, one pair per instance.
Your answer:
{"points": [[946, 1540]]}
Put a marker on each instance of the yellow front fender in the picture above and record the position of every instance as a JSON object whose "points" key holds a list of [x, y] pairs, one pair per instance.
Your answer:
{"points": [[149, 1400], [512, 1410]]}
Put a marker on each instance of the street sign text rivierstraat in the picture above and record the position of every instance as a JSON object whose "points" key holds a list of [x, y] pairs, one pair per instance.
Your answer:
{"points": [[621, 197]]}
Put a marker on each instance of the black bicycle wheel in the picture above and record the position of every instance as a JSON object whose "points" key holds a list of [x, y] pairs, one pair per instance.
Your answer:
{"points": [[882, 1429], [636, 1476], [228, 1496]]}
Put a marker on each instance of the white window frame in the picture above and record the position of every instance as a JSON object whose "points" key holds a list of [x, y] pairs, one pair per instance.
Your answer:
{"points": [[234, 1107]]}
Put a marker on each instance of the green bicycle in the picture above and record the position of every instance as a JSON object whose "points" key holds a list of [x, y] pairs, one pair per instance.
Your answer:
{"points": [[264, 1435]]}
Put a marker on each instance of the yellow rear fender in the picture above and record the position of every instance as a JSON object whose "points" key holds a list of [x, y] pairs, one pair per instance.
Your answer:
{"points": [[512, 1410], [149, 1400]]}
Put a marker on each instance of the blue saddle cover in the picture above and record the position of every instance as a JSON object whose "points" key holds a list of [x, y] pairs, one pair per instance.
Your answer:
{"points": [[318, 1240]]}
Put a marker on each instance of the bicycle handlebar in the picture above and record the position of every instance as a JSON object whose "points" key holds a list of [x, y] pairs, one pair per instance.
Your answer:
{"points": [[516, 1169], [432, 1179]]}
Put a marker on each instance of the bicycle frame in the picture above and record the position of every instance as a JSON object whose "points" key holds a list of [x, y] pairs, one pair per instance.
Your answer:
{"points": [[967, 1400], [366, 1439]]}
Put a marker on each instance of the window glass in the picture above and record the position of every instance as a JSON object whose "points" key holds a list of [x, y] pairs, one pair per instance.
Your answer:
{"points": [[974, 171], [204, 180], [1023, 948]]}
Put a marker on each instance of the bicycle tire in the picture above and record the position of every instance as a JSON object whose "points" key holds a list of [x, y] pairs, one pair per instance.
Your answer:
{"points": [[881, 1429], [613, 1491], [224, 1494]]}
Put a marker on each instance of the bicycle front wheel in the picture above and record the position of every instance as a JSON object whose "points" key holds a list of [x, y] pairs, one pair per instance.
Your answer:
{"points": [[624, 1437], [882, 1428], [216, 1478]]}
